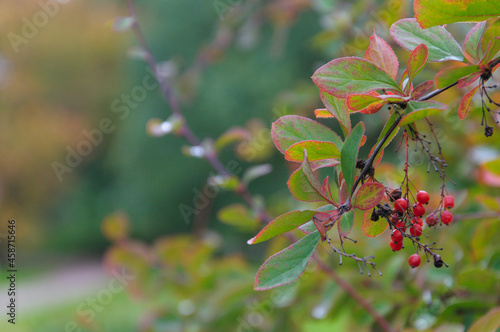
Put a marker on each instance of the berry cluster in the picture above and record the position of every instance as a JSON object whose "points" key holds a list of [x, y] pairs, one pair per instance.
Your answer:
{"points": [[403, 217]]}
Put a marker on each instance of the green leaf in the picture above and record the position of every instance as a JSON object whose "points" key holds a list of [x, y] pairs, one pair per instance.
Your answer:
{"points": [[255, 172], [416, 110], [315, 165], [440, 43], [421, 89], [287, 265], [123, 23], [486, 232], [304, 185], [316, 150], [344, 76], [233, 135], [416, 61], [373, 228], [345, 223], [283, 224], [349, 154], [290, 129], [464, 107], [491, 43], [430, 13], [489, 322], [382, 55], [338, 108], [493, 166], [368, 196], [451, 75], [472, 42], [237, 215]]}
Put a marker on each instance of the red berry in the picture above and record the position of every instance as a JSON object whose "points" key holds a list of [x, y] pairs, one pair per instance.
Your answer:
{"points": [[419, 210], [400, 205], [431, 219], [401, 226], [416, 230], [449, 202], [418, 221], [396, 246], [423, 197], [396, 236], [414, 260], [446, 217]]}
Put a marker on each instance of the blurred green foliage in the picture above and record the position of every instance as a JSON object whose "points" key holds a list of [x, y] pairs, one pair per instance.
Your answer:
{"points": [[65, 81]]}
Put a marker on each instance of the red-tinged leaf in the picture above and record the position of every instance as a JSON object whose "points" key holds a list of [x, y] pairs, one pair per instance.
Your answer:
{"points": [[368, 196], [382, 55], [363, 141], [315, 165], [416, 110], [338, 108], [421, 89], [344, 76], [349, 154], [468, 80], [373, 228], [322, 113], [282, 224], [320, 220], [430, 13], [365, 104], [304, 185], [464, 107], [316, 150], [472, 42], [416, 61], [370, 103], [343, 193], [345, 223], [450, 75], [290, 129], [325, 188], [287, 265], [488, 322], [440, 43]]}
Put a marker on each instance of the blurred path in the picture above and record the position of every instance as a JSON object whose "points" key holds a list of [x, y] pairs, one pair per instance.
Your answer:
{"points": [[65, 284]]}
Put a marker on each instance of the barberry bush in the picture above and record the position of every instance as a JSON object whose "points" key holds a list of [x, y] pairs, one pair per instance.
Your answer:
{"points": [[351, 196], [376, 84]]}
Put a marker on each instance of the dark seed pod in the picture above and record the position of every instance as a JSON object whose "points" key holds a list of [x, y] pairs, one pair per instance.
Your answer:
{"points": [[488, 131], [438, 262], [375, 215], [360, 164], [395, 194]]}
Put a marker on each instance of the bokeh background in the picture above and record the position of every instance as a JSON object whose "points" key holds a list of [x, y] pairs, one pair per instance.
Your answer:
{"points": [[232, 64]]}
